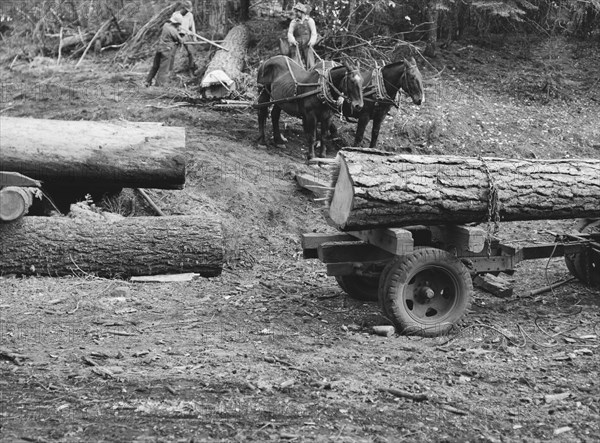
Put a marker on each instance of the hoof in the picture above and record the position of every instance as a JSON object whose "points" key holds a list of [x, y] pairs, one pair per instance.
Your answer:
{"points": [[280, 145]]}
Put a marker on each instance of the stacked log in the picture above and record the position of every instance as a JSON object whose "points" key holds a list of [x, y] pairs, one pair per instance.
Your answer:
{"points": [[94, 154], [373, 189], [111, 247]]}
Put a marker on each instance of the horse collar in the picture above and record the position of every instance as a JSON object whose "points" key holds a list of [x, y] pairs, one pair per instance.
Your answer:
{"points": [[327, 86]]}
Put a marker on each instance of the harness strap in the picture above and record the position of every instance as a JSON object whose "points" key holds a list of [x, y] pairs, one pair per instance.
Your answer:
{"points": [[378, 83], [326, 87]]}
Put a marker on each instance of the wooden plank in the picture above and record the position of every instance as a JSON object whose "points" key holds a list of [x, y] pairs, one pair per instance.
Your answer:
{"points": [[502, 263], [311, 241], [318, 186], [354, 251], [396, 241]]}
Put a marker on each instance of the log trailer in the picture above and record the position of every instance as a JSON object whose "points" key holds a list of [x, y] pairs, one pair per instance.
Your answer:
{"points": [[421, 274]]}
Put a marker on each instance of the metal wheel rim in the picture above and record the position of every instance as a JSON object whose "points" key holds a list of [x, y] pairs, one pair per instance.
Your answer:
{"points": [[445, 287]]}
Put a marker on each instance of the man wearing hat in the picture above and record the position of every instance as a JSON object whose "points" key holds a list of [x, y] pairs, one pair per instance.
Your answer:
{"points": [[302, 36], [165, 50], [187, 31]]}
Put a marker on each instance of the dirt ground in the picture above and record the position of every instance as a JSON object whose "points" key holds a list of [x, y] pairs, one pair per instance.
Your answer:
{"points": [[272, 350]]}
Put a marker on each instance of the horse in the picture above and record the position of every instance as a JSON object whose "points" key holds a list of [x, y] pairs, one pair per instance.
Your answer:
{"points": [[311, 95], [381, 86]]}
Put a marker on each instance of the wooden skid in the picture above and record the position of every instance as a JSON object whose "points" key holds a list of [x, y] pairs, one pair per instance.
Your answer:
{"points": [[311, 242], [395, 240], [317, 185], [353, 251]]}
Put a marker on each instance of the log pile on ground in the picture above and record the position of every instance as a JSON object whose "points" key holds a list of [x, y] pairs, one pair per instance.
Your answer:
{"points": [[94, 154], [111, 246], [374, 189], [226, 66]]}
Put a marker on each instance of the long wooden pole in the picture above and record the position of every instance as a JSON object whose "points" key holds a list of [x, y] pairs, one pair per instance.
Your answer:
{"points": [[209, 41]]}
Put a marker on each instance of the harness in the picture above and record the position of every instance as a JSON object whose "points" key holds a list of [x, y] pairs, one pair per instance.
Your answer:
{"points": [[380, 92], [324, 89]]}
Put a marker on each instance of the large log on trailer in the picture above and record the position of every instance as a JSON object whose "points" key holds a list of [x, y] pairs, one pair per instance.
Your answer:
{"points": [[124, 247], [95, 154], [374, 189], [226, 66]]}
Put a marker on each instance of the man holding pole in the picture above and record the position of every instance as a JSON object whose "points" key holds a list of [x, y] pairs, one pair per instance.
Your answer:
{"points": [[165, 50], [188, 32], [302, 36]]}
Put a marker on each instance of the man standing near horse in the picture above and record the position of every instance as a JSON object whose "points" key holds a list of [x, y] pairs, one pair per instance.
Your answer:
{"points": [[302, 36]]}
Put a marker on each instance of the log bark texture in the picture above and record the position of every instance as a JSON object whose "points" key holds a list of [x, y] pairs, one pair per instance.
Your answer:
{"points": [[375, 189], [128, 246], [226, 66], [74, 153]]}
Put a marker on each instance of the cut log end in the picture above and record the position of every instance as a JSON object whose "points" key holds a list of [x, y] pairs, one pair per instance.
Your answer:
{"points": [[14, 203], [341, 201]]}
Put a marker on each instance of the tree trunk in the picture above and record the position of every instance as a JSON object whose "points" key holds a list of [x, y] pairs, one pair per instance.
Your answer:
{"points": [[431, 13], [244, 10], [376, 190], [123, 247], [226, 66], [94, 154], [216, 16]]}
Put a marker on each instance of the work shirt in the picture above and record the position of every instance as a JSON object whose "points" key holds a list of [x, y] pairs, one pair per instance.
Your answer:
{"points": [[303, 31], [169, 37], [188, 25]]}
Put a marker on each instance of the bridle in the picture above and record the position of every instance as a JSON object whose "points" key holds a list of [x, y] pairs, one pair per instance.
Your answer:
{"points": [[327, 86], [381, 95]]}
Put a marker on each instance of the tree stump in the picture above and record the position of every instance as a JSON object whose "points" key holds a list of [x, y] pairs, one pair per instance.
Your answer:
{"points": [[375, 189]]}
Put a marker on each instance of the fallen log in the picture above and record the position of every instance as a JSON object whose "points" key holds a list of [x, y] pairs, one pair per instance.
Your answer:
{"points": [[94, 154], [374, 189], [226, 65], [121, 247]]}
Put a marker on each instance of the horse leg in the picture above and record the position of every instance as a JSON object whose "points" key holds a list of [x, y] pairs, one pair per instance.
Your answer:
{"points": [[263, 112], [363, 121], [310, 130], [277, 137], [326, 124], [377, 120]]}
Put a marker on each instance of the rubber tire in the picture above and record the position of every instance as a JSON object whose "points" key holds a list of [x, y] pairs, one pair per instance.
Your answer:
{"points": [[397, 291], [577, 263], [358, 287]]}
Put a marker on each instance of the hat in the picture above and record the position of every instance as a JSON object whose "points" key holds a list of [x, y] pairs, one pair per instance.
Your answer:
{"points": [[300, 7], [176, 18], [187, 5]]}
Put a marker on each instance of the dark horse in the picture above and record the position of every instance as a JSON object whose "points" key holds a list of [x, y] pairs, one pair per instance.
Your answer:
{"points": [[313, 96], [381, 86]]}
